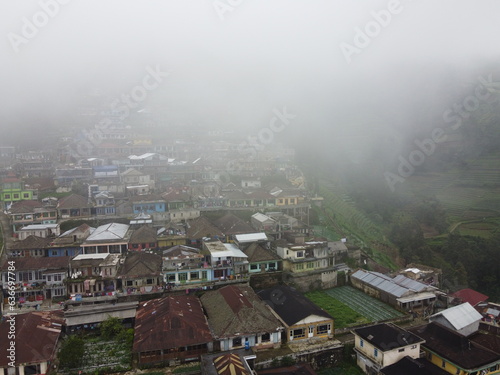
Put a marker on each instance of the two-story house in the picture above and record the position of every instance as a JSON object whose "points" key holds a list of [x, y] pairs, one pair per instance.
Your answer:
{"points": [[30, 247], [37, 278], [104, 204], [305, 257], [108, 238], [30, 212], [185, 265], [226, 260], [143, 238], [93, 274], [457, 342], [69, 243], [141, 273], [384, 344], [73, 206], [12, 189]]}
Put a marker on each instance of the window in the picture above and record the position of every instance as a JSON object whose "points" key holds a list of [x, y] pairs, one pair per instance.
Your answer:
{"points": [[401, 350], [323, 329], [128, 283], [149, 281], [26, 195], [300, 254], [375, 352], [204, 275], [297, 333], [299, 266], [183, 276], [7, 196], [54, 252], [194, 275], [16, 196], [266, 337], [49, 277], [237, 341], [443, 364], [253, 267], [218, 273], [361, 343]]}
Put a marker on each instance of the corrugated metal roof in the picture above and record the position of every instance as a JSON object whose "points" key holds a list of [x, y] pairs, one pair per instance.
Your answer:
{"points": [[109, 232], [39, 226], [459, 316], [91, 256], [251, 237], [260, 217], [381, 282], [170, 322], [410, 283]]}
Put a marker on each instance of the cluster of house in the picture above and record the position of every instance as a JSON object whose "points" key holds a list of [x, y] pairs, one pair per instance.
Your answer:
{"points": [[134, 258], [176, 329], [454, 341]]}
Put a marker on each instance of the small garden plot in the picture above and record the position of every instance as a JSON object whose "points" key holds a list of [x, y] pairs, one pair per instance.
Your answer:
{"points": [[100, 355], [371, 308], [344, 316], [111, 354]]}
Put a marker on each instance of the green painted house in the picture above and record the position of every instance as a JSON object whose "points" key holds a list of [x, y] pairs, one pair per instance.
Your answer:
{"points": [[12, 190]]}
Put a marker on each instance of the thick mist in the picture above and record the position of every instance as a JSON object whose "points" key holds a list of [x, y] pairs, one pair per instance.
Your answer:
{"points": [[363, 79]]}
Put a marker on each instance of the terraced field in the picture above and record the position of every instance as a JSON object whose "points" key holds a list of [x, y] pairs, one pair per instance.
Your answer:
{"points": [[371, 308]]}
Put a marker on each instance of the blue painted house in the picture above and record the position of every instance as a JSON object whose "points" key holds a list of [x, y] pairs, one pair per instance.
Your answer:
{"points": [[69, 243], [148, 204]]}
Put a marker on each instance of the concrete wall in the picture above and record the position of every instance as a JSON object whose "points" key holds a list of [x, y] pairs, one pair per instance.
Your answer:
{"points": [[307, 281], [317, 358]]}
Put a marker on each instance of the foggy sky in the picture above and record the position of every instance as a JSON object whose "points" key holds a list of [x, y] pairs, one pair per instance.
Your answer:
{"points": [[264, 54]]}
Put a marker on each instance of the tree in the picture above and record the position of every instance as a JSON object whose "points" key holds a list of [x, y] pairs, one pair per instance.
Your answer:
{"points": [[111, 327], [71, 353]]}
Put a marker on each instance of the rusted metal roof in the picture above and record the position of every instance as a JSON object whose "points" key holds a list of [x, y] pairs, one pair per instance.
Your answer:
{"points": [[36, 339], [170, 322]]}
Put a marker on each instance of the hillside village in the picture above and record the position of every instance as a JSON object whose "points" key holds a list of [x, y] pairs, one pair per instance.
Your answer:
{"points": [[210, 267]]}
